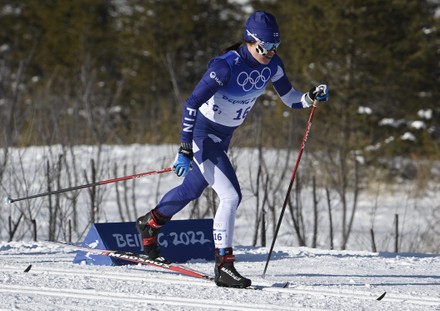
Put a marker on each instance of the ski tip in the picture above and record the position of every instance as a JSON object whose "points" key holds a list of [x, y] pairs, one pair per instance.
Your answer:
{"points": [[28, 268], [381, 296]]}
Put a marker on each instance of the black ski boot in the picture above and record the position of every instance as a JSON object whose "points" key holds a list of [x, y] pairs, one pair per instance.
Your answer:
{"points": [[148, 227], [225, 273]]}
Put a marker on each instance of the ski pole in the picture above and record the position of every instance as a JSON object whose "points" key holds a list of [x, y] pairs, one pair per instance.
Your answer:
{"points": [[298, 159], [10, 200]]}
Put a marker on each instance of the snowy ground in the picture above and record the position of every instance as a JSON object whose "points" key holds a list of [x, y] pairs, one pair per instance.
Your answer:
{"points": [[318, 280]]}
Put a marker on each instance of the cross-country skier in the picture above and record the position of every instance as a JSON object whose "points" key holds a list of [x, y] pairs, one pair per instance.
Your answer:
{"points": [[217, 107]]}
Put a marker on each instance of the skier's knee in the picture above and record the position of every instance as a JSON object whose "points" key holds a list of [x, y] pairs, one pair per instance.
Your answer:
{"points": [[232, 199]]}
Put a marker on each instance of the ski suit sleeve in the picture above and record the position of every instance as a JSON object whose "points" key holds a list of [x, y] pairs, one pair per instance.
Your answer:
{"points": [[215, 77], [290, 97]]}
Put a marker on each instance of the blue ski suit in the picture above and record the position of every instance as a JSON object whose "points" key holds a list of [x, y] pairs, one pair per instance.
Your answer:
{"points": [[218, 105]]}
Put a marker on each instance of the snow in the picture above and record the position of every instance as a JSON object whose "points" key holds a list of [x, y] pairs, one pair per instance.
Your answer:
{"points": [[365, 110], [376, 207], [391, 122], [318, 280], [408, 136], [417, 125], [425, 113]]}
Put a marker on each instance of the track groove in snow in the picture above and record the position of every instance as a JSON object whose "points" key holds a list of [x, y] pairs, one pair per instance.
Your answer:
{"points": [[168, 278], [91, 294], [319, 280]]}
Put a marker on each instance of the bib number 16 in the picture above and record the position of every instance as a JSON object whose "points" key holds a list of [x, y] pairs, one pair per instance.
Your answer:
{"points": [[242, 113]]}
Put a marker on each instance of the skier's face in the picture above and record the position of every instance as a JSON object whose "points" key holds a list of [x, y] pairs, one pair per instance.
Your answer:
{"points": [[255, 50]]}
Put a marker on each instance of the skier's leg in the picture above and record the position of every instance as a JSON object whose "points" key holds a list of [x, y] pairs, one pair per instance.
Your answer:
{"points": [[172, 202], [177, 198], [214, 164]]}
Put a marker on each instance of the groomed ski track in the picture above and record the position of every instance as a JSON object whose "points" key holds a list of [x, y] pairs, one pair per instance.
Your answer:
{"points": [[135, 275], [141, 276], [54, 283]]}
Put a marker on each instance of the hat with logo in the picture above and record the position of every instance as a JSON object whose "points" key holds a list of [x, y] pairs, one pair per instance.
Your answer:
{"points": [[262, 25]]}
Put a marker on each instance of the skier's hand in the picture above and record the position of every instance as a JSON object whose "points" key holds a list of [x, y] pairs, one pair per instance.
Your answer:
{"points": [[320, 93], [182, 164]]}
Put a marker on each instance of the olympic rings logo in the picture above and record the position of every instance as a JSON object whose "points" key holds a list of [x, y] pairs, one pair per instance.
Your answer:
{"points": [[253, 79]]}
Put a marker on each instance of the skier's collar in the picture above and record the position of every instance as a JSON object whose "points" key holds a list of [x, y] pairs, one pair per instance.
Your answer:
{"points": [[247, 57]]}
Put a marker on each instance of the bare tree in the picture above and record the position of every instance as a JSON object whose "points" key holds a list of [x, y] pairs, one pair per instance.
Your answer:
{"points": [[345, 181], [330, 218], [297, 216]]}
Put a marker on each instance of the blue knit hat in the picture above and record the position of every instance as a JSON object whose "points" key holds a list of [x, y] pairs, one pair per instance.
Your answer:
{"points": [[262, 25]]}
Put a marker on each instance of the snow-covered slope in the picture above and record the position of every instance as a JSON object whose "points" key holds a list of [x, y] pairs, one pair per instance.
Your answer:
{"points": [[318, 280]]}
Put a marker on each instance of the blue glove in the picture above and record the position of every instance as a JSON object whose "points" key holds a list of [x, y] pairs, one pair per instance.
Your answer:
{"points": [[320, 93], [182, 164]]}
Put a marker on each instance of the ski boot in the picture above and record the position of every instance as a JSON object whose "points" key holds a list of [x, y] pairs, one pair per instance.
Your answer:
{"points": [[225, 273], [148, 227]]}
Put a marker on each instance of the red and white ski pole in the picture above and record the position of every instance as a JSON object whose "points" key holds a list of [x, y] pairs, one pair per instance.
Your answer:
{"points": [[298, 159], [10, 200]]}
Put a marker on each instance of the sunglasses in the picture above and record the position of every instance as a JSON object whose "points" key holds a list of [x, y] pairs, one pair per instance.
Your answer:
{"points": [[264, 47]]}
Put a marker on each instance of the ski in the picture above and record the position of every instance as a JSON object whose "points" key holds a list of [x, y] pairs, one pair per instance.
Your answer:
{"points": [[144, 260]]}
